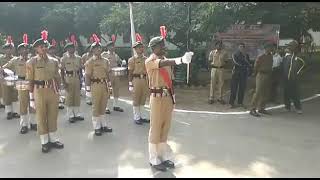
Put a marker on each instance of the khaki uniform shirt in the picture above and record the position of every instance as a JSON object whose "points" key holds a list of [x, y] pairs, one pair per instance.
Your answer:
{"points": [[43, 69], [263, 64], [218, 58], [137, 64], [97, 68], [113, 59], [154, 76], [17, 65], [71, 63]]}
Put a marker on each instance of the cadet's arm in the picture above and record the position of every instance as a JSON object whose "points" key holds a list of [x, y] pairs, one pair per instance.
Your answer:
{"points": [[167, 62], [57, 76], [130, 69], [62, 71]]}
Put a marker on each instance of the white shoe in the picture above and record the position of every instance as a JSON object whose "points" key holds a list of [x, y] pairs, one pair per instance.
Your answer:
{"points": [[299, 111]]}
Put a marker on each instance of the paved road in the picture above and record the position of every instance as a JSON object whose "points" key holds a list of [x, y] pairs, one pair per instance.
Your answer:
{"points": [[206, 145]]}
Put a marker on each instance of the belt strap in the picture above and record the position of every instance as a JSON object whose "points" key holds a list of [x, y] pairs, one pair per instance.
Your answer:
{"points": [[97, 80]]}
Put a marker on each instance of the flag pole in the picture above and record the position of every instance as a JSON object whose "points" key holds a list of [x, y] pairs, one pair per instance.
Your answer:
{"points": [[133, 33]]}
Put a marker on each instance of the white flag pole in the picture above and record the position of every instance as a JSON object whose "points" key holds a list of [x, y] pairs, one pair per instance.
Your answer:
{"points": [[133, 33]]}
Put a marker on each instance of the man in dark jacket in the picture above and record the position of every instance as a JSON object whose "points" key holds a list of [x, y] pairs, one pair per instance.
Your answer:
{"points": [[291, 67]]}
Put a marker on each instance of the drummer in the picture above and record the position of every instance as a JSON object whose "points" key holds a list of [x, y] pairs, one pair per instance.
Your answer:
{"points": [[70, 72], [114, 61], [18, 65], [138, 84], [8, 93]]}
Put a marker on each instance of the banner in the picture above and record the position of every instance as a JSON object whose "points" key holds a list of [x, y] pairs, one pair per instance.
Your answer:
{"points": [[253, 36]]}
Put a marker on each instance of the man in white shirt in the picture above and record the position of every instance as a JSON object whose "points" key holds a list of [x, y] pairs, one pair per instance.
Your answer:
{"points": [[276, 76]]}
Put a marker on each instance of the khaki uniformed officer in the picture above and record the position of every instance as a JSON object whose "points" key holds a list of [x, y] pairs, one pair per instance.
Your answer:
{"points": [[97, 80], [85, 57], [42, 72], [9, 93], [70, 73], [52, 50], [262, 70], [138, 83], [18, 65], [217, 60], [114, 61], [161, 102]]}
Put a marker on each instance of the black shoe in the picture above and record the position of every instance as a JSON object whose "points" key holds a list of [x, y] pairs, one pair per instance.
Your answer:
{"points": [[221, 101], [9, 116], [57, 145], [79, 118], [15, 115], [89, 103], [254, 113], [117, 109], [23, 130], [72, 119], [145, 120], [33, 127], [108, 111], [159, 167], [168, 164], [2, 106], [139, 122], [263, 111], [61, 107], [106, 129], [210, 101], [45, 148], [97, 132]]}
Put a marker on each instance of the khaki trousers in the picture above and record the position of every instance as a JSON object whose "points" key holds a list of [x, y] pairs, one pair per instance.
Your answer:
{"points": [[115, 82], [73, 93], [9, 94], [24, 101], [140, 91], [99, 95], [160, 118], [46, 101], [261, 94], [216, 83]]}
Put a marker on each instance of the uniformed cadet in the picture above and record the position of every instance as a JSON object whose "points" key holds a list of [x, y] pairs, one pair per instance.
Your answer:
{"points": [[161, 102], [217, 60], [43, 74], [85, 57], [70, 74], [292, 66], [114, 61], [18, 65], [52, 50], [9, 93], [138, 83], [97, 82], [263, 72]]}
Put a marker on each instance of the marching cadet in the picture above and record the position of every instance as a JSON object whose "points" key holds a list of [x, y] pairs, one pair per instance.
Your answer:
{"points": [[138, 83], [70, 74], [217, 60], [292, 66], [85, 57], [42, 72], [114, 61], [9, 93], [97, 82], [18, 65], [263, 71], [52, 50], [161, 102]]}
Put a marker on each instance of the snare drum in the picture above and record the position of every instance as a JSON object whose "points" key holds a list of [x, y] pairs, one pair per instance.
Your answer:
{"points": [[10, 80], [119, 71], [22, 85]]}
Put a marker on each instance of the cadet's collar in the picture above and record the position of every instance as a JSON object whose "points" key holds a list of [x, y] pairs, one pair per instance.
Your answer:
{"points": [[44, 57], [70, 55], [96, 57], [23, 57]]}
